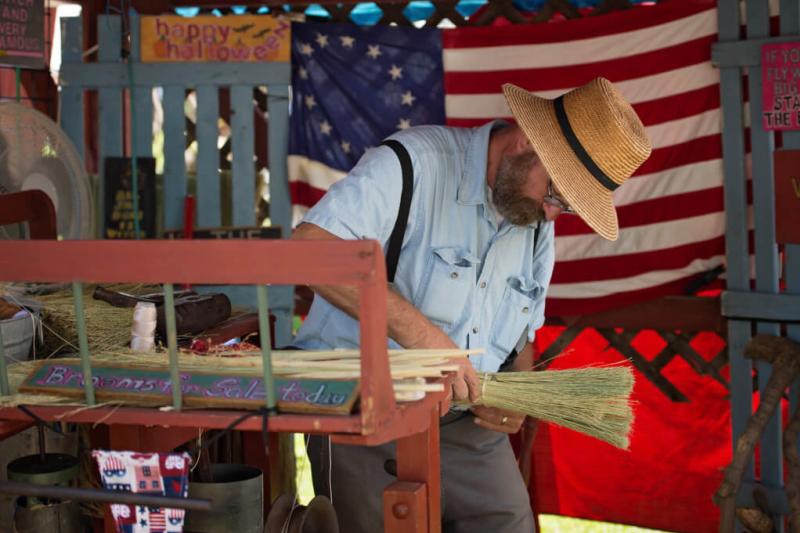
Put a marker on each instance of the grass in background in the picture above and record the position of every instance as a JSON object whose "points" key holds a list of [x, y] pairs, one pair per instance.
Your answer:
{"points": [[547, 523], [563, 524]]}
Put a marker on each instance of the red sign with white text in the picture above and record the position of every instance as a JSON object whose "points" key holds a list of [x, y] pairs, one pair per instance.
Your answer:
{"points": [[780, 83]]}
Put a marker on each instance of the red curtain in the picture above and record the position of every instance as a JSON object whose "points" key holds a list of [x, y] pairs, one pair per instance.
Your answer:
{"points": [[677, 453]]}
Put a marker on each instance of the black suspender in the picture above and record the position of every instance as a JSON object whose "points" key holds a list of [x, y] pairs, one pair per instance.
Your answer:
{"points": [[396, 238]]}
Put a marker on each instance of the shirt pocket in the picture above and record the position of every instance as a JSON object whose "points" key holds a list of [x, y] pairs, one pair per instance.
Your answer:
{"points": [[514, 312], [449, 283]]}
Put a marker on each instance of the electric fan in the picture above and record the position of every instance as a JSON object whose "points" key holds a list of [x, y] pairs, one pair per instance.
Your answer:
{"points": [[36, 154]]}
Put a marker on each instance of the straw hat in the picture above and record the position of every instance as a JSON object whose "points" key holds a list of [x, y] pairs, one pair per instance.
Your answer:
{"points": [[590, 140]]}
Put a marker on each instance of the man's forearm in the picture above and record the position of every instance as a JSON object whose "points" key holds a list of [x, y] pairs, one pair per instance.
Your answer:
{"points": [[407, 325]]}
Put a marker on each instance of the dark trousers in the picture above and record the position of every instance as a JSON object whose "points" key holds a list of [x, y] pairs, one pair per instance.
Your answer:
{"points": [[482, 489]]}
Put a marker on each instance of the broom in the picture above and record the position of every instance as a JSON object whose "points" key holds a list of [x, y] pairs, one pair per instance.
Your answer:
{"points": [[594, 401]]}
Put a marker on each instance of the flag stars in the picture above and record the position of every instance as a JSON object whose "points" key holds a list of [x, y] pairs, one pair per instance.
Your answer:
{"points": [[345, 147], [303, 73], [347, 41], [322, 40], [408, 98], [325, 128], [396, 72], [306, 49], [310, 101], [404, 124], [374, 51]]}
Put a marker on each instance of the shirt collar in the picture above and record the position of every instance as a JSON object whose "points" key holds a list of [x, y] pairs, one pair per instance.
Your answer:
{"points": [[472, 188]]}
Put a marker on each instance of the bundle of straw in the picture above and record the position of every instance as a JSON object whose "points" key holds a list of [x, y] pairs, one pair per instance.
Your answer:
{"points": [[594, 401], [107, 327]]}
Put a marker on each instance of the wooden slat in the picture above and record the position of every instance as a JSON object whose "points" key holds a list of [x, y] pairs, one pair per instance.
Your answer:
{"points": [[744, 53], [763, 144], [71, 101], [761, 306], [174, 161], [210, 261], [142, 101], [243, 150], [790, 25], [187, 74], [209, 213], [280, 208], [736, 232], [109, 141]]}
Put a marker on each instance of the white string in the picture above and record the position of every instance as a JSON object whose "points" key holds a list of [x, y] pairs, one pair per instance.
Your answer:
{"points": [[199, 449]]}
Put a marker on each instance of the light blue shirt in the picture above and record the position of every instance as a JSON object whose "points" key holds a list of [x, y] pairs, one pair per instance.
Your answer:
{"points": [[482, 284]]}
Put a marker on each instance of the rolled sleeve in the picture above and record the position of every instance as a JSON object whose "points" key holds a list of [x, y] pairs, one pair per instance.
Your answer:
{"points": [[363, 204]]}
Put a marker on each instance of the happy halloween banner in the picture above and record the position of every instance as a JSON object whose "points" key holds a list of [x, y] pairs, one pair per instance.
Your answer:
{"points": [[239, 38]]}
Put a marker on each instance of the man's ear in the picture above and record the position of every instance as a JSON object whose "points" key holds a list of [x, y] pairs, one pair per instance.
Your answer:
{"points": [[522, 143]]}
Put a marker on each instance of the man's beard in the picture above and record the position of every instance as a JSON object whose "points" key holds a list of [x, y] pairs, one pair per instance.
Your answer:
{"points": [[507, 193]]}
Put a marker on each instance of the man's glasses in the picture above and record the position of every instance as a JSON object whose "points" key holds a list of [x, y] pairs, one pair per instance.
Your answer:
{"points": [[556, 201]]}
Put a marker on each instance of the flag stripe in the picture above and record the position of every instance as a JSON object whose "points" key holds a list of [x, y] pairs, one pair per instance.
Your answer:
{"points": [[539, 79], [655, 236], [648, 88], [577, 29], [653, 112], [489, 58], [618, 266]]}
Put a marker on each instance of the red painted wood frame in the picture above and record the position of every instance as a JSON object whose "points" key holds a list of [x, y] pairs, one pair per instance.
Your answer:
{"points": [[354, 263]]}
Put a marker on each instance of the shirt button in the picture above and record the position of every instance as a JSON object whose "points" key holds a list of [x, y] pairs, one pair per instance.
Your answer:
{"points": [[483, 284], [525, 309], [454, 275], [475, 330]]}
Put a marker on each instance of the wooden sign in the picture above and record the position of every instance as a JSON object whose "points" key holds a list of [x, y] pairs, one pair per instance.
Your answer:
{"points": [[238, 38], [787, 196], [233, 232], [152, 386], [118, 206], [780, 86], [22, 33]]}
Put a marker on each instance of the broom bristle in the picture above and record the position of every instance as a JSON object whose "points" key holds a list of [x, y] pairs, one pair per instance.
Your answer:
{"points": [[593, 401]]}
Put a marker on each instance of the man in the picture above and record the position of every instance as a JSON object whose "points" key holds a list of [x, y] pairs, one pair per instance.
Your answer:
{"points": [[476, 260]]}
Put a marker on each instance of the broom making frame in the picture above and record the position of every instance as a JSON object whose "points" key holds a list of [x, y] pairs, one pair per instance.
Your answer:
{"points": [[410, 504]]}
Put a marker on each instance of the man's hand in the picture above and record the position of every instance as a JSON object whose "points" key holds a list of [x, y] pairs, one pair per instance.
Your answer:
{"points": [[466, 385], [497, 419]]}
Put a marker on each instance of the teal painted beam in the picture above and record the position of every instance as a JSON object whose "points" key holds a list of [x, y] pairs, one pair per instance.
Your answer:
{"points": [[243, 167], [71, 98], [761, 306], [109, 138], [208, 191], [174, 160], [100, 75]]}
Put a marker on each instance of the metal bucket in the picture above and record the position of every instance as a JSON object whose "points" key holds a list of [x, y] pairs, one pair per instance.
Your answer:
{"points": [[62, 517], [237, 496]]}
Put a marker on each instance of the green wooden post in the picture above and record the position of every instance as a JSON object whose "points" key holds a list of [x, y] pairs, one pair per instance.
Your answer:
{"points": [[4, 388], [172, 345], [266, 346], [83, 342]]}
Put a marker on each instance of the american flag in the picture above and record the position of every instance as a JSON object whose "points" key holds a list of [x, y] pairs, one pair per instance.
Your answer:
{"points": [[670, 213]]}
